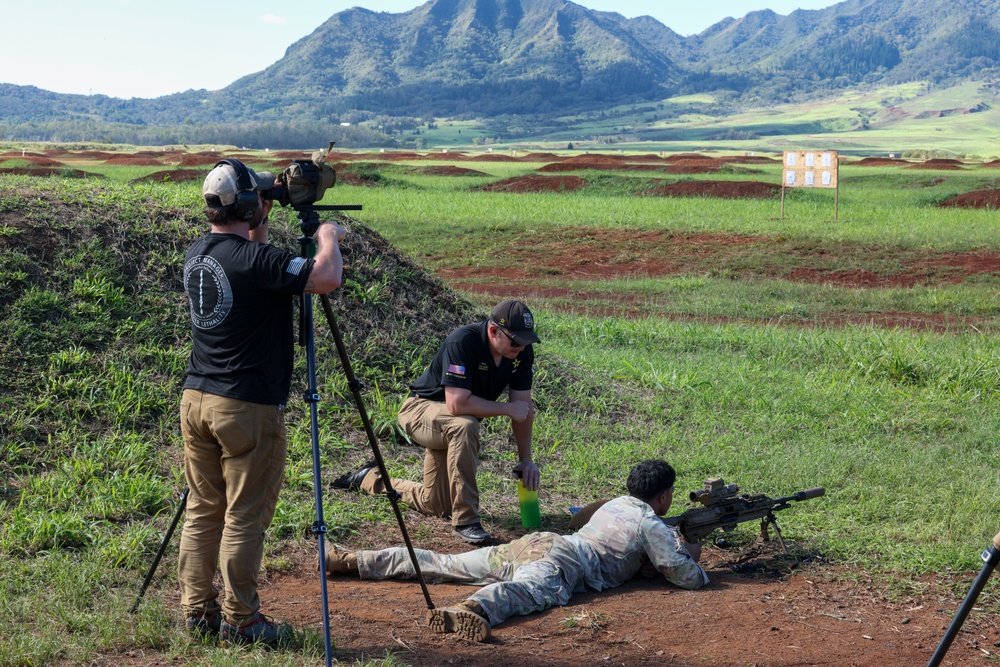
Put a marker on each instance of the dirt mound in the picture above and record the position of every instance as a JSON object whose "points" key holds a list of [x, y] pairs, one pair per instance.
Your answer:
{"points": [[581, 162], [132, 161], [172, 176], [198, 159], [975, 199], [96, 155], [534, 183], [723, 189], [646, 157], [543, 156], [695, 166], [45, 171], [495, 157], [42, 161], [449, 170], [943, 166], [881, 162], [686, 156], [597, 164], [943, 160]]}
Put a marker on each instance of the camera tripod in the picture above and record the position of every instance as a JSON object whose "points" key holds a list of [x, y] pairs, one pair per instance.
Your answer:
{"points": [[309, 224]]}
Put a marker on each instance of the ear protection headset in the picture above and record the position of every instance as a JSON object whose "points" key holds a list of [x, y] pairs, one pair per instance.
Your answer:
{"points": [[246, 197]]}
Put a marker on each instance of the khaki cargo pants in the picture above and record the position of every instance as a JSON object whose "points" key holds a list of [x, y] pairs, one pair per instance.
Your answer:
{"points": [[234, 460], [450, 462]]}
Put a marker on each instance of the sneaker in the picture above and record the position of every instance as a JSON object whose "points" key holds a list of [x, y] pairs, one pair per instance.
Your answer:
{"points": [[260, 629], [351, 481], [203, 623], [473, 533], [461, 620]]}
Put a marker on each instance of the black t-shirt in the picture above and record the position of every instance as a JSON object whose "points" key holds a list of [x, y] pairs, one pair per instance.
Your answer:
{"points": [[465, 361], [241, 295]]}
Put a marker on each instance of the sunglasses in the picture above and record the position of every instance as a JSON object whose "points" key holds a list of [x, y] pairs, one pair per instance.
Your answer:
{"points": [[510, 338]]}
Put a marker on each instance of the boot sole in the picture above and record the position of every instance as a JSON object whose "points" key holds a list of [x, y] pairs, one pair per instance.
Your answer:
{"points": [[462, 622]]}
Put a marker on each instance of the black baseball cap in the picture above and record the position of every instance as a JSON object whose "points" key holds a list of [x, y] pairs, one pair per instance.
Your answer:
{"points": [[515, 317]]}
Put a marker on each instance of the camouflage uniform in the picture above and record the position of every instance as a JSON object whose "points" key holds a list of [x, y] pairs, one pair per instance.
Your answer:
{"points": [[542, 570]]}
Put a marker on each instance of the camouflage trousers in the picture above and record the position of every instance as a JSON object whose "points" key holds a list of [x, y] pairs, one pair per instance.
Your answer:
{"points": [[530, 574]]}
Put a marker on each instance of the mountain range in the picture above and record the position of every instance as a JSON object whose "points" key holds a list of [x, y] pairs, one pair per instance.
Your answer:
{"points": [[543, 58]]}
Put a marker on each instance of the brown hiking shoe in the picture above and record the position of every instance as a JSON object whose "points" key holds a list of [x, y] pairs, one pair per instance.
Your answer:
{"points": [[340, 561], [465, 619]]}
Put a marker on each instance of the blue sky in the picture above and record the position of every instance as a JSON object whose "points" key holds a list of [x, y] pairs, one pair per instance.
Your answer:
{"points": [[144, 48]]}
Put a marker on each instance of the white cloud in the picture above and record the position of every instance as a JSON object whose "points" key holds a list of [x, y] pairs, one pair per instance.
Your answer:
{"points": [[271, 18]]}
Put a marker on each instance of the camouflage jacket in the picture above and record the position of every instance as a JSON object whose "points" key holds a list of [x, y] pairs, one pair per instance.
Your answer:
{"points": [[625, 533]]}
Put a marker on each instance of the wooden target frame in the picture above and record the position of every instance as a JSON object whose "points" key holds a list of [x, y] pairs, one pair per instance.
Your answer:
{"points": [[811, 169]]}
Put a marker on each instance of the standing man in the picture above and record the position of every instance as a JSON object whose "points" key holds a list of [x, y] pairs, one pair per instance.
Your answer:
{"points": [[241, 292], [443, 413], [623, 538]]}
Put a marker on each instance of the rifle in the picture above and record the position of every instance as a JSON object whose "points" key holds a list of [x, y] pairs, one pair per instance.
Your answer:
{"points": [[723, 507]]}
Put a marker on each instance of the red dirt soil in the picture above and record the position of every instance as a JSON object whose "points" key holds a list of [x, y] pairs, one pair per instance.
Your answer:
{"points": [[764, 610], [881, 162], [448, 170], [533, 183], [198, 159], [724, 189], [975, 199], [592, 256]]}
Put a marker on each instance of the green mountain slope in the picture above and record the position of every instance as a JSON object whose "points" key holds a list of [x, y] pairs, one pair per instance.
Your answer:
{"points": [[491, 59]]}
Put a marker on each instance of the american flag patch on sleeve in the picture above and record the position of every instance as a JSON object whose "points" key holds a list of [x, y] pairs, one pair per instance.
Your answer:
{"points": [[456, 369], [296, 265]]}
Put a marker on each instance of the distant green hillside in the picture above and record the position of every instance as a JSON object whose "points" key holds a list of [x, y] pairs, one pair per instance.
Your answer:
{"points": [[522, 68]]}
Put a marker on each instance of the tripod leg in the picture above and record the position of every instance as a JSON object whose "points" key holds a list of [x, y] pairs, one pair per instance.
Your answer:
{"points": [[312, 398], [163, 548], [991, 557], [391, 493]]}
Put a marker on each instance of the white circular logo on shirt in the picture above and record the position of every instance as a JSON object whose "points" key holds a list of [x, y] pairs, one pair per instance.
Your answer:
{"points": [[208, 291]]}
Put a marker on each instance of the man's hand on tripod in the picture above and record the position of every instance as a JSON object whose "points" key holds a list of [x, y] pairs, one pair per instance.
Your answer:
{"points": [[328, 227], [328, 268]]}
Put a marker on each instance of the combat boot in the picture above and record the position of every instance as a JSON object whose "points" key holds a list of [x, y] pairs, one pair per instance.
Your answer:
{"points": [[340, 560], [466, 619]]}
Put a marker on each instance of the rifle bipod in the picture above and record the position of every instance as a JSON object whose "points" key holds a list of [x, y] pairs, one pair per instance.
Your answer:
{"points": [[765, 536]]}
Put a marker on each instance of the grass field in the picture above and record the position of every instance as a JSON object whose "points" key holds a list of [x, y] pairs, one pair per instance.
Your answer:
{"points": [[728, 367]]}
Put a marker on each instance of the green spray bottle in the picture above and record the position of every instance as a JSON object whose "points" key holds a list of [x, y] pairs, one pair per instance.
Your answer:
{"points": [[531, 515]]}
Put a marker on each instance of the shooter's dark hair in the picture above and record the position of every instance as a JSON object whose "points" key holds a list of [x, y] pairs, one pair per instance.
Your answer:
{"points": [[218, 213], [650, 478]]}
